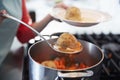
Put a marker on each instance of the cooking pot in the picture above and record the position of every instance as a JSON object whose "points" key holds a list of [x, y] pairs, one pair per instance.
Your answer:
{"points": [[91, 55]]}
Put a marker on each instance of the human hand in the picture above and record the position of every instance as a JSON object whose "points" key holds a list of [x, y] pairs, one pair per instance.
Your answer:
{"points": [[1, 15], [61, 5]]}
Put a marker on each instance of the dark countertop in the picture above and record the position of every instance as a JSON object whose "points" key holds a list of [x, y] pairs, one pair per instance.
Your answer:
{"points": [[12, 66]]}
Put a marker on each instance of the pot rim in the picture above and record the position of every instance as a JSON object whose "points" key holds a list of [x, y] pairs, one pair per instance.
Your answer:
{"points": [[102, 54]]}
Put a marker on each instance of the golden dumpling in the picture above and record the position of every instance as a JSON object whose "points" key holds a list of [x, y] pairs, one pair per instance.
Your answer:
{"points": [[67, 42], [49, 63], [73, 13]]}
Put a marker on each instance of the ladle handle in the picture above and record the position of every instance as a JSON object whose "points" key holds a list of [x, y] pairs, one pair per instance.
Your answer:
{"points": [[15, 19], [75, 74]]}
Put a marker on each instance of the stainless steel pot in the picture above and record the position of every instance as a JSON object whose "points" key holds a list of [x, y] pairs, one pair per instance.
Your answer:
{"points": [[91, 55]]}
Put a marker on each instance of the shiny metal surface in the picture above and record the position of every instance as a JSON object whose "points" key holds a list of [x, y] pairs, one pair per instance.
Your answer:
{"points": [[40, 51], [37, 72]]}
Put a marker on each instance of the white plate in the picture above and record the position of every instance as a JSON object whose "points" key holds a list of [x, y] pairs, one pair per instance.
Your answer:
{"points": [[89, 17]]}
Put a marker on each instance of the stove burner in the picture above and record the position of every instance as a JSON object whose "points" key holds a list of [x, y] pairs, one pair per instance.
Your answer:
{"points": [[110, 43]]}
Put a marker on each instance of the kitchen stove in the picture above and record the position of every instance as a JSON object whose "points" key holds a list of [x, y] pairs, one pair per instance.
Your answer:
{"points": [[109, 43]]}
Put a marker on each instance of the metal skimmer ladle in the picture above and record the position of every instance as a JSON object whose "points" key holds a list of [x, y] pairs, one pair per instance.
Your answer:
{"points": [[51, 45]]}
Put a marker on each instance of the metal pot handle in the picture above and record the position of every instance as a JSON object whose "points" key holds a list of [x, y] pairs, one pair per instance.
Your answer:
{"points": [[76, 74]]}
